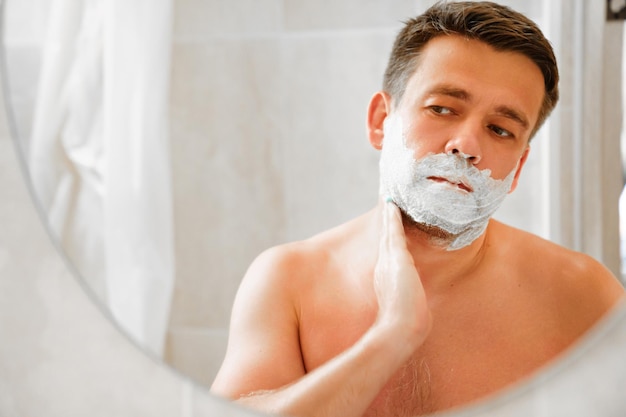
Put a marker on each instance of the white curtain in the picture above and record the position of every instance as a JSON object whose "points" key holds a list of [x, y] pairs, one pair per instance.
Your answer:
{"points": [[99, 156]]}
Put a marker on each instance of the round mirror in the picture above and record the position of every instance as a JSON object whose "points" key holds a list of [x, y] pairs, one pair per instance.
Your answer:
{"points": [[169, 143]]}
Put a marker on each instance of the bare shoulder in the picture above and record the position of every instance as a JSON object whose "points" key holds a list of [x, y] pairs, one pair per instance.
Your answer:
{"points": [[285, 273], [290, 265], [574, 282], [278, 278], [293, 264], [264, 350], [283, 264]]}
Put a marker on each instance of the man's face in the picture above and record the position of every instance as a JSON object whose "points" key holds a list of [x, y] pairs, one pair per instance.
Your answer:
{"points": [[467, 98]]}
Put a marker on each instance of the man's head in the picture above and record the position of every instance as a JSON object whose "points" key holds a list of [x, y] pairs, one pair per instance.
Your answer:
{"points": [[467, 86], [496, 25]]}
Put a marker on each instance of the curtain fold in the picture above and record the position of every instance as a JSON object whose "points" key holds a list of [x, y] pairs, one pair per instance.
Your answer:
{"points": [[99, 155]]}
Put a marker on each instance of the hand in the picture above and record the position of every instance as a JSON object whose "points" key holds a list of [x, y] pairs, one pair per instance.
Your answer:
{"points": [[401, 298]]}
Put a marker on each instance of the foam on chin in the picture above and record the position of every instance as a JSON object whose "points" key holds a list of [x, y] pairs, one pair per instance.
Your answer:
{"points": [[433, 190]]}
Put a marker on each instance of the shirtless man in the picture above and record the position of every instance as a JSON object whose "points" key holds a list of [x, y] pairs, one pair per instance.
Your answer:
{"points": [[411, 311]]}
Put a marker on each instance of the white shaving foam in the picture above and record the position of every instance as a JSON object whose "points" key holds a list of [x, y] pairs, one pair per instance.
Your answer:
{"points": [[463, 214]]}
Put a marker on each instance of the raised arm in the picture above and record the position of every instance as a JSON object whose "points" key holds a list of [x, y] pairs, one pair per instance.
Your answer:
{"points": [[263, 367]]}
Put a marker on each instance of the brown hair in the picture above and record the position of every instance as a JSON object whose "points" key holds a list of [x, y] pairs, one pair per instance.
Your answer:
{"points": [[498, 26]]}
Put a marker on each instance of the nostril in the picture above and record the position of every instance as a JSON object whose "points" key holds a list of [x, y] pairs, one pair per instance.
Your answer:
{"points": [[470, 158], [462, 155]]}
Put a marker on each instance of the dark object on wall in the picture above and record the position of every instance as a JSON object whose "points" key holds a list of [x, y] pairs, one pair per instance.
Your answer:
{"points": [[615, 10]]}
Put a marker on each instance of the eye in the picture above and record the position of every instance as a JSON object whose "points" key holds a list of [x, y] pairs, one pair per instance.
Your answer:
{"points": [[501, 132], [441, 110]]}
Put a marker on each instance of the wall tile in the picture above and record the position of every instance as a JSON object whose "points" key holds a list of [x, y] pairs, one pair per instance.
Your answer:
{"points": [[348, 14], [524, 207], [331, 170], [197, 352], [202, 19], [225, 122]]}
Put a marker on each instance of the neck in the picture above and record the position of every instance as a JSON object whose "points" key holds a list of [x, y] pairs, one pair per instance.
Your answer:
{"points": [[439, 267]]}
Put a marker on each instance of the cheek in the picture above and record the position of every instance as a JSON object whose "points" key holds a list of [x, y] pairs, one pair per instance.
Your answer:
{"points": [[500, 166], [426, 137]]}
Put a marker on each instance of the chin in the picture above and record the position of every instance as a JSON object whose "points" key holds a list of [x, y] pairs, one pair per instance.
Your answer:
{"points": [[439, 236]]}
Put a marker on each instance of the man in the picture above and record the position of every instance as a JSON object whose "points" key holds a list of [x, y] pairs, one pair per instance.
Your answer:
{"points": [[402, 312]]}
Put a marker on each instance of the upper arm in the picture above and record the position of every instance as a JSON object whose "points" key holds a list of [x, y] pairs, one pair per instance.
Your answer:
{"points": [[263, 347]]}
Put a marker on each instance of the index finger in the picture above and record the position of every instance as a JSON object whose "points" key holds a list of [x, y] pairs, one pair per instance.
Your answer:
{"points": [[392, 237]]}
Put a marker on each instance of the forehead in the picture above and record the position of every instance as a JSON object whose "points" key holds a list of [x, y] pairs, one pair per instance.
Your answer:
{"points": [[505, 77]]}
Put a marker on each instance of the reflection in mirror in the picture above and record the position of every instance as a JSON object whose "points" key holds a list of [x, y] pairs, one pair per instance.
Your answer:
{"points": [[170, 143]]}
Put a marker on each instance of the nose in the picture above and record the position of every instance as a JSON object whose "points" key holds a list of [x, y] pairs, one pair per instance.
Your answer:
{"points": [[466, 144]]}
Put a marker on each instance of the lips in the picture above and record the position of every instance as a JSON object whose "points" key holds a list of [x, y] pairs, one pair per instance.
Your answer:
{"points": [[458, 183]]}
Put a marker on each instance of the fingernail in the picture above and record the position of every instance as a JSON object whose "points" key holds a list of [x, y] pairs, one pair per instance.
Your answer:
{"points": [[388, 199]]}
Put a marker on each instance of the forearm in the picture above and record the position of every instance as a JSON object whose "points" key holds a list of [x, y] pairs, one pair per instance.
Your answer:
{"points": [[346, 385]]}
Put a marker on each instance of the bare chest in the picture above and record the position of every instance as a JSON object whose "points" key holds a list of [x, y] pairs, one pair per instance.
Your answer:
{"points": [[438, 378], [470, 353]]}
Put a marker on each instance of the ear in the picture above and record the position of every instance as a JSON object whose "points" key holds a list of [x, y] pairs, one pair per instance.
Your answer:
{"points": [[522, 161], [379, 109]]}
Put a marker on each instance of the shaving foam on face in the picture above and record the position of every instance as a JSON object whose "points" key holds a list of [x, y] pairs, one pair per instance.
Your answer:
{"points": [[441, 190]]}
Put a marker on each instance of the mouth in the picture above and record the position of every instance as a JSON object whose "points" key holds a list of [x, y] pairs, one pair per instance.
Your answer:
{"points": [[459, 184]]}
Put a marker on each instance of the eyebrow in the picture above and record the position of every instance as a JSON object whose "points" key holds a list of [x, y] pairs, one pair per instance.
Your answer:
{"points": [[444, 90], [461, 94], [513, 115]]}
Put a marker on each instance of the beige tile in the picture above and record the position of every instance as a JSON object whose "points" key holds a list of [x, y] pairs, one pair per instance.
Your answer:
{"points": [[202, 19], [532, 9], [358, 14], [228, 205], [330, 14], [331, 170], [524, 207], [197, 352]]}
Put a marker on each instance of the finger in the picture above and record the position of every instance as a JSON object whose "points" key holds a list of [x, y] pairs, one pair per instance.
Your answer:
{"points": [[384, 244], [394, 229]]}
